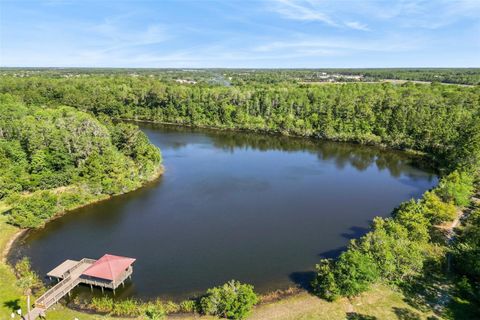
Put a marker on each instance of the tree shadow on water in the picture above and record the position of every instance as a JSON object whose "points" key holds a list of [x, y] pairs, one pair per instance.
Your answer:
{"points": [[359, 316], [355, 232], [303, 279], [12, 304], [332, 254]]}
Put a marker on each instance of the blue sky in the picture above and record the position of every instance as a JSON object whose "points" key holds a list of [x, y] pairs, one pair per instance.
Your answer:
{"points": [[256, 34]]}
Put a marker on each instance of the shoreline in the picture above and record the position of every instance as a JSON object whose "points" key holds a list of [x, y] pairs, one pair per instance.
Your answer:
{"points": [[20, 233], [8, 257], [11, 244], [270, 297], [313, 137]]}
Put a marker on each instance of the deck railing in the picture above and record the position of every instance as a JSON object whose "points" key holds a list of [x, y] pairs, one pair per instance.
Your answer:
{"points": [[72, 279], [69, 282], [55, 293]]}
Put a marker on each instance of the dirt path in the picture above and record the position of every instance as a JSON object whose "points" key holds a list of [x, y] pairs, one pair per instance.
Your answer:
{"points": [[451, 229]]}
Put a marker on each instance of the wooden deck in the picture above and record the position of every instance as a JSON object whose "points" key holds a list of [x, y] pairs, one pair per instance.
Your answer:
{"points": [[70, 274], [60, 271], [70, 280]]}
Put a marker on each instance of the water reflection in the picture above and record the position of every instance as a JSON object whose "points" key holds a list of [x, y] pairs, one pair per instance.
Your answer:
{"points": [[342, 154], [251, 207]]}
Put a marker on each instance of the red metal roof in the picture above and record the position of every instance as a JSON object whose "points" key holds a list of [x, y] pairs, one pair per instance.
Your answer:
{"points": [[109, 267]]}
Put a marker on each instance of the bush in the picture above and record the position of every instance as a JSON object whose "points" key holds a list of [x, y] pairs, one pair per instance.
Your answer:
{"points": [[103, 304], [23, 270], [464, 289], [466, 253], [354, 272], [71, 199], [395, 254], [324, 284], [437, 210], [128, 307], [189, 306], [457, 187], [171, 307], [411, 215], [34, 210], [233, 300], [154, 311]]}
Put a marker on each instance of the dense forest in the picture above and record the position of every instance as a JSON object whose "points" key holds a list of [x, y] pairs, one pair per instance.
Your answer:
{"points": [[439, 121], [435, 119], [54, 159], [239, 77]]}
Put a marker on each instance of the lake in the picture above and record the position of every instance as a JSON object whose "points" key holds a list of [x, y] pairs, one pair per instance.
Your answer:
{"points": [[257, 208]]}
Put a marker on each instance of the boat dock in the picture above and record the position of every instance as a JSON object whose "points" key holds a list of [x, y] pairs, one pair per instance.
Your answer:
{"points": [[107, 272]]}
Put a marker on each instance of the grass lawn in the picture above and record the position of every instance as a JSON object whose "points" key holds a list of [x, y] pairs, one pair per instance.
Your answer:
{"points": [[10, 296], [380, 302]]}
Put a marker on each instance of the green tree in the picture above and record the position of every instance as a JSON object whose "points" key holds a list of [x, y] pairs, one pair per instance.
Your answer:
{"points": [[437, 210], [34, 210], [395, 254], [457, 187], [232, 300], [355, 271], [27, 280], [324, 284]]}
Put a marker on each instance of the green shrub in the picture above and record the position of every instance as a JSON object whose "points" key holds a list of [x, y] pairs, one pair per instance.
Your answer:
{"points": [[102, 304], [171, 307], [466, 253], [437, 210], [464, 288], [154, 311], [233, 300], [23, 270], [34, 210], [71, 199], [411, 215], [188, 306], [128, 307], [324, 284], [457, 187], [395, 254], [354, 272]]}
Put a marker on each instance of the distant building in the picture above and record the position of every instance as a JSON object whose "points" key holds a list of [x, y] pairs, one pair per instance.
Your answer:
{"points": [[186, 81]]}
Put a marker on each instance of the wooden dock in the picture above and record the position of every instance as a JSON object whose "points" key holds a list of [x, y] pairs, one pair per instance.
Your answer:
{"points": [[70, 279], [107, 272]]}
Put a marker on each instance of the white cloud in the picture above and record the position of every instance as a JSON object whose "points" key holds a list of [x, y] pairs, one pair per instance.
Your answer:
{"points": [[300, 10], [311, 10], [343, 46], [357, 25]]}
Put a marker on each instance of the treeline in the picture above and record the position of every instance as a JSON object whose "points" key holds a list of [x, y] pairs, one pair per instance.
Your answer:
{"points": [[470, 76], [458, 76], [437, 119], [54, 159], [441, 121], [241, 77], [467, 76]]}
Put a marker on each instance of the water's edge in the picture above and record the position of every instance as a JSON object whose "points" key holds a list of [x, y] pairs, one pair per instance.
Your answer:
{"points": [[8, 256]]}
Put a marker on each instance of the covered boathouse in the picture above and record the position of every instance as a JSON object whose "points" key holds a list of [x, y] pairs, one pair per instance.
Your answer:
{"points": [[109, 272]]}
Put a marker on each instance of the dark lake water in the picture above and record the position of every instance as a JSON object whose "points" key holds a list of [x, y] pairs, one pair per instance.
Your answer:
{"points": [[257, 208]]}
